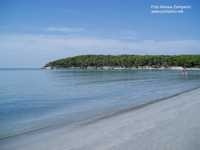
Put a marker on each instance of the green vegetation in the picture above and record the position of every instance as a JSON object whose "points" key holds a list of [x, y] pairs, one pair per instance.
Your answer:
{"points": [[127, 61]]}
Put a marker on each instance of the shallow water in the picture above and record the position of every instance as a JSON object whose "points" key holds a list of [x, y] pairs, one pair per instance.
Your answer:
{"points": [[31, 99]]}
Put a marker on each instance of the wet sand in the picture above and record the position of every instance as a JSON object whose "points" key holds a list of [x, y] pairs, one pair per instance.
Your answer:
{"points": [[173, 124]]}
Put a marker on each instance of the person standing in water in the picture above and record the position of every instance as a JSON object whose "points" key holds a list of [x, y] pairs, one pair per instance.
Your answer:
{"points": [[184, 71]]}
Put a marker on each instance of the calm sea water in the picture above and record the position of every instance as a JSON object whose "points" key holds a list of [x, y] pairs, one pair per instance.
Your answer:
{"points": [[31, 99]]}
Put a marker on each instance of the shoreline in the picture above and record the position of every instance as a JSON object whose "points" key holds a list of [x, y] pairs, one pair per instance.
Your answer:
{"points": [[97, 118], [135, 108], [122, 68], [106, 125]]}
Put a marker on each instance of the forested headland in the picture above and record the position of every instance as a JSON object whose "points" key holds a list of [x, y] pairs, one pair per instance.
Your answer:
{"points": [[126, 61]]}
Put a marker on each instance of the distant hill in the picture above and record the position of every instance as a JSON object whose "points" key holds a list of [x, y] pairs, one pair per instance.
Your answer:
{"points": [[127, 61]]}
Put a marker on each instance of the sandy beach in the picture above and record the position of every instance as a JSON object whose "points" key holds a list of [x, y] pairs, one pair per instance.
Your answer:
{"points": [[172, 124]]}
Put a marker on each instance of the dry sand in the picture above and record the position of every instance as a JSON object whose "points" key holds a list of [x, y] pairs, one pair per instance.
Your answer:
{"points": [[173, 124]]}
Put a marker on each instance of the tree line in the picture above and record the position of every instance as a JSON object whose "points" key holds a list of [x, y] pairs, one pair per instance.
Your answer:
{"points": [[127, 61]]}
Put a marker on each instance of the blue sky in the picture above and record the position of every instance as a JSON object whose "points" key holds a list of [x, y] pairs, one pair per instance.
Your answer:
{"points": [[32, 32]]}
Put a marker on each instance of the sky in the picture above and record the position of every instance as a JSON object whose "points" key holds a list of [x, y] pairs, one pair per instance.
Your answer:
{"points": [[33, 32]]}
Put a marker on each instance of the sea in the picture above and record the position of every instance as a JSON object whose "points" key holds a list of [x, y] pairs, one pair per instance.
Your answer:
{"points": [[36, 99]]}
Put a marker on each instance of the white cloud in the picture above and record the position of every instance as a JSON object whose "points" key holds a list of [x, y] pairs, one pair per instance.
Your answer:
{"points": [[64, 29], [58, 43]]}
